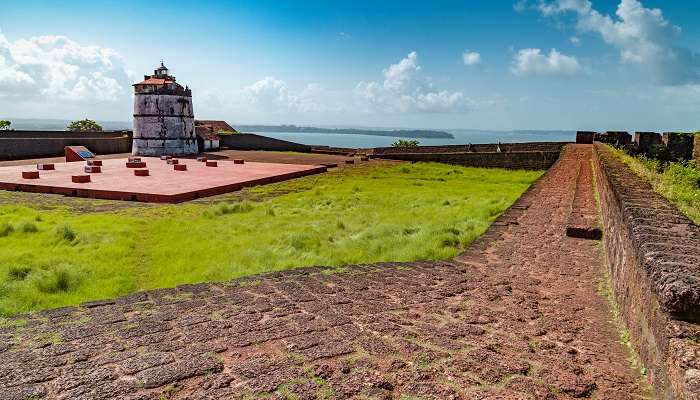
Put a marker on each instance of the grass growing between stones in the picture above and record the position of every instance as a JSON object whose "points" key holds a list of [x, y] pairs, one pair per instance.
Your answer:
{"points": [[679, 182], [405, 212]]}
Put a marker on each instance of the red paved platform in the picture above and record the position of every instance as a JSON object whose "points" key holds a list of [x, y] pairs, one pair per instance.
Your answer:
{"points": [[162, 185]]}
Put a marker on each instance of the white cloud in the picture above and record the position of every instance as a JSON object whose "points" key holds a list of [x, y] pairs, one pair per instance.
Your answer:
{"points": [[643, 36], [575, 40], [57, 68], [520, 6], [406, 90], [272, 95], [471, 58], [560, 6], [534, 62]]}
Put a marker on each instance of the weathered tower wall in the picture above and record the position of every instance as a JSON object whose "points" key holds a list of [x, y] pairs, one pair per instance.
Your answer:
{"points": [[163, 125]]}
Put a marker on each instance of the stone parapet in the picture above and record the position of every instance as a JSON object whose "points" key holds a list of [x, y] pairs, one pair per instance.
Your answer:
{"points": [[585, 137], [679, 145], [617, 138], [475, 148], [653, 254], [646, 140], [24, 148], [515, 160]]}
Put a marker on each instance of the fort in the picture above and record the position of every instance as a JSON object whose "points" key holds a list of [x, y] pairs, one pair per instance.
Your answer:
{"points": [[536, 307]]}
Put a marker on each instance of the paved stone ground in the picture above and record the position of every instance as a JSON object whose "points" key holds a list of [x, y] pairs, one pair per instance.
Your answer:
{"points": [[583, 220], [254, 156], [77, 204], [517, 316]]}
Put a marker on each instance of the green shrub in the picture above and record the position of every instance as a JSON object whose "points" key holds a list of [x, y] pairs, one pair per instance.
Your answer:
{"points": [[18, 273], [226, 208], [405, 143], [679, 181], [27, 227], [54, 280], [65, 232], [660, 152], [6, 228]]}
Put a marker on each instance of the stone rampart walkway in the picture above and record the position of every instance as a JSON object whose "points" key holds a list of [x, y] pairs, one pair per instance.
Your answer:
{"points": [[518, 316]]}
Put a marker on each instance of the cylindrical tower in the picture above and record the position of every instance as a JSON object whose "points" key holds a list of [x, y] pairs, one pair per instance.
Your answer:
{"points": [[163, 117]]}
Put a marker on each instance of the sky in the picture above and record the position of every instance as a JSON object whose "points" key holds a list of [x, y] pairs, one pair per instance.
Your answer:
{"points": [[499, 64]]}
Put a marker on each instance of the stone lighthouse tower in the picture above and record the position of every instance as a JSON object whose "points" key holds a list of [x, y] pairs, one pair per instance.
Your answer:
{"points": [[163, 116]]}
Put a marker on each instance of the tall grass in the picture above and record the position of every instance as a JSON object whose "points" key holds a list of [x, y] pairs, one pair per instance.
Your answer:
{"points": [[357, 215], [679, 182]]}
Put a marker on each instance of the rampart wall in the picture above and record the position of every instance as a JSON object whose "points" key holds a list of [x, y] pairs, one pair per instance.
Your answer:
{"points": [[653, 255], [16, 145], [34, 134], [510, 155], [251, 141], [474, 148]]}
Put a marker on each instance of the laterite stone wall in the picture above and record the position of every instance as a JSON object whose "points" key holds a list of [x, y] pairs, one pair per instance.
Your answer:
{"points": [[25, 148], [653, 255], [501, 155]]}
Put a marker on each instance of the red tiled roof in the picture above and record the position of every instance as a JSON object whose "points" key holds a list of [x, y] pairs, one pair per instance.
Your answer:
{"points": [[217, 126], [155, 81], [206, 132]]}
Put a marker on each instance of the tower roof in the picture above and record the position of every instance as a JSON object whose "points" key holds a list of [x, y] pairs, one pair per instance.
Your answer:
{"points": [[161, 68], [160, 82], [155, 81]]}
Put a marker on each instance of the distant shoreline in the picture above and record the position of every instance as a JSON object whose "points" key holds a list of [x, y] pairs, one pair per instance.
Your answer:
{"points": [[403, 133]]}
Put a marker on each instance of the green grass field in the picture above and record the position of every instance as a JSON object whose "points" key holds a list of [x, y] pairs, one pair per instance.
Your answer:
{"points": [[60, 256], [679, 182]]}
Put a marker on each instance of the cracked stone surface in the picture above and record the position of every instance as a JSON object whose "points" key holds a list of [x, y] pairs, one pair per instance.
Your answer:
{"points": [[517, 316]]}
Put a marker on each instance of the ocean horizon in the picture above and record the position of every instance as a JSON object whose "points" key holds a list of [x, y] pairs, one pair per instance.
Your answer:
{"points": [[461, 136]]}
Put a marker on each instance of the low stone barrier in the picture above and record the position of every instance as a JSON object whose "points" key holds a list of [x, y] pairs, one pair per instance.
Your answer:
{"points": [[474, 148], [679, 145], [514, 160], [22, 148], [251, 141], [653, 255], [39, 134]]}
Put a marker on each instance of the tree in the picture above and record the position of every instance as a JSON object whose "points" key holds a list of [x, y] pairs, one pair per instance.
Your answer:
{"points": [[405, 143], [85, 125], [5, 125]]}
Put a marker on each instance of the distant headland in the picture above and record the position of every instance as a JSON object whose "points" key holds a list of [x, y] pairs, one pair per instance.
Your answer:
{"points": [[406, 133]]}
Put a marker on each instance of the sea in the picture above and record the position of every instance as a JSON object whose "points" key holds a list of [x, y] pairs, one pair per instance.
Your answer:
{"points": [[461, 136]]}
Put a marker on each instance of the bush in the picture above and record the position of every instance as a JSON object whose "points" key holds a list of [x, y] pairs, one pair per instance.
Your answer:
{"points": [[679, 182], [27, 227], [65, 232], [54, 280], [85, 125], [6, 228], [660, 152], [225, 208], [405, 143], [17, 273]]}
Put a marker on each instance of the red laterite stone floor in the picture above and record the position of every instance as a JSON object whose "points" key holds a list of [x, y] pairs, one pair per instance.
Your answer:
{"points": [[163, 185]]}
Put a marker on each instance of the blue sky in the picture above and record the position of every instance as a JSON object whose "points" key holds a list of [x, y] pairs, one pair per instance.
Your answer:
{"points": [[502, 64]]}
